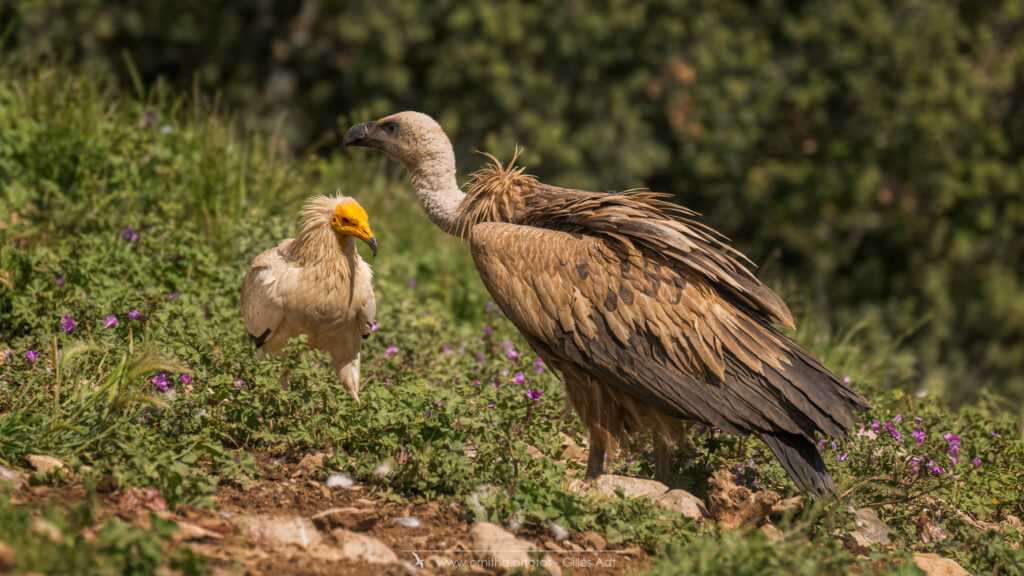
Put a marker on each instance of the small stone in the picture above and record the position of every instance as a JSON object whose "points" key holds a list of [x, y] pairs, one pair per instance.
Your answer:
{"points": [[357, 547], [782, 507], [492, 543], [771, 532], [874, 530], [358, 519], [594, 541], [935, 565], [310, 463], [534, 452], [46, 529], [44, 464], [188, 531], [294, 530], [607, 483], [135, 498], [683, 502], [856, 543], [7, 558]]}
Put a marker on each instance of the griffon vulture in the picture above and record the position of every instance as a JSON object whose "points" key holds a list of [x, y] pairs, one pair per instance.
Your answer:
{"points": [[646, 313], [316, 284]]}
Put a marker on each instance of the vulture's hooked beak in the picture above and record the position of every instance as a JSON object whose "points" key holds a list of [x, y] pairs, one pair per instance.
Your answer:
{"points": [[358, 135], [372, 243]]}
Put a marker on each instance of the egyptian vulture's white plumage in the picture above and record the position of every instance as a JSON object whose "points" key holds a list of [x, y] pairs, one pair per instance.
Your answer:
{"points": [[316, 284]]}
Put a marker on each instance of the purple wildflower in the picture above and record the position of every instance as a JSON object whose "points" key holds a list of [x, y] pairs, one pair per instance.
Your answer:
{"points": [[403, 456], [874, 425], [60, 281], [918, 435], [67, 323], [160, 381], [891, 428], [496, 384], [490, 306], [32, 356], [174, 295], [391, 351], [519, 378], [935, 469], [186, 379], [412, 282], [136, 316], [898, 418], [841, 457], [512, 353], [374, 327], [539, 365], [480, 358], [994, 433], [447, 349], [109, 321], [129, 234], [977, 462], [846, 380], [952, 439], [427, 413], [476, 383], [487, 330], [491, 405], [239, 383]]}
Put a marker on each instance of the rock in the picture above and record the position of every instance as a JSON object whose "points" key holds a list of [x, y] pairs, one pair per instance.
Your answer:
{"points": [[310, 463], [594, 541], [928, 530], [7, 558], [358, 547], [771, 532], [935, 565], [534, 452], [571, 451], [734, 505], [284, 530], [188, 531], [358, 519], [13, 477], [874, 530], [856, 543], [46, 529], [492, 544], [44, 464], [135, 498], [1012, 522], [607, 483], [683, 502]]}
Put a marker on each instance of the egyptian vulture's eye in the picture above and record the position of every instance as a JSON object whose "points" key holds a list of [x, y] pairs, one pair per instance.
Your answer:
{"points": [[346, 220], [390, 127]]}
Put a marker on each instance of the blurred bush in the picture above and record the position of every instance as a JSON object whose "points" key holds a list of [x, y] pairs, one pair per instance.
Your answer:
{"points": [[868, 152]]}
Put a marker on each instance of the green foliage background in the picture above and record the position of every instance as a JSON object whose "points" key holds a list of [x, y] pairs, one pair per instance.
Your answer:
{"points": [[867, 153]]}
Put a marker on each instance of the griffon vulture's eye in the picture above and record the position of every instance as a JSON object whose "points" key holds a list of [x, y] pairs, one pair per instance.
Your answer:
{"points": [[390, 127]]}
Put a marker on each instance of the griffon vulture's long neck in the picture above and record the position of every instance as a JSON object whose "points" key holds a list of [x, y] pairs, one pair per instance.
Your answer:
{"points": [[433, 178]]}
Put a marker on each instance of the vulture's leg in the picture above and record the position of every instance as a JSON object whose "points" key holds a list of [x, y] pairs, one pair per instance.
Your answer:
{"points": [[345, 359], [599, 444], [662, 459]]}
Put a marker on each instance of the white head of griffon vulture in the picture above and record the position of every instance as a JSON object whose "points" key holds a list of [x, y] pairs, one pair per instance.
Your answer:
{"points": [[651, 319], [316, 284]]}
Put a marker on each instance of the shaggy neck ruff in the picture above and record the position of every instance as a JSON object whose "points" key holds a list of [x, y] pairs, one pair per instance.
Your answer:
{"points": [[319, 246]]}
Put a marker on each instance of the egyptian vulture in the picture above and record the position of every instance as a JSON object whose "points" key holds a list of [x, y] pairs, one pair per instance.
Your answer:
{"points": [[315, 284], [652, 321]]}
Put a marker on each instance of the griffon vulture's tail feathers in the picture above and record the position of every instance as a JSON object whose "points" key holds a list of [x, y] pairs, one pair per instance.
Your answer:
{"points": [[800, 457]]}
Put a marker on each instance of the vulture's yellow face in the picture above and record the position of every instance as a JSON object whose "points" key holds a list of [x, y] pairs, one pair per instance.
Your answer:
{"points": [[352, 220]]}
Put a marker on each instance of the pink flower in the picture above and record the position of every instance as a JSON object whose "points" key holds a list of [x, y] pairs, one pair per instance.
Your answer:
{"points": [[977, 462], [847, 380], [160, 381], [186, 379], [534, 395], [136, 316], [391, 351], [918, 435], [487, 330], [68, 323], [239, 383], [539, 365], [519, 378], [374, 327], [109, 321], [32, 356]]}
